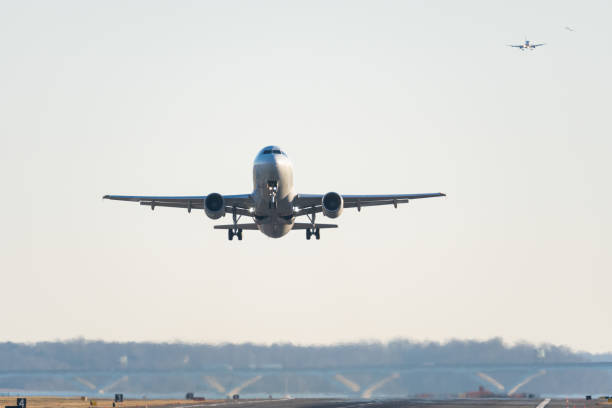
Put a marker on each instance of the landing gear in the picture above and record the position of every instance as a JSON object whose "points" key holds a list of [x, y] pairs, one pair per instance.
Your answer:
{"points": [[272, 190], [313, 230], [235, 232]]}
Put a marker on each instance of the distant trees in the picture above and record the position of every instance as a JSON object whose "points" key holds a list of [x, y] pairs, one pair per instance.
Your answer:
{"points": [[97, 355]]}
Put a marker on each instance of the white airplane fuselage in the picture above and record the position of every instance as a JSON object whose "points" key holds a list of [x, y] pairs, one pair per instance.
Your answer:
{"points": [[528, 46], [273, 193]]}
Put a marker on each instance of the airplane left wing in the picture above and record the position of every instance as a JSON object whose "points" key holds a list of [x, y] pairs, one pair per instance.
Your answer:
{"points": [[241, 202], [538, 45], [311, 203]]}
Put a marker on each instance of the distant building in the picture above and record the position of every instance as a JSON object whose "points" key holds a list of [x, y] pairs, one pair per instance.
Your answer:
{"points": [[481, 393]]}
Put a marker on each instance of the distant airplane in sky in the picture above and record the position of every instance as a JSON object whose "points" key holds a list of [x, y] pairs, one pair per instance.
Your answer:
{"points": [[568, 28], [273, 205], [527, 45]]}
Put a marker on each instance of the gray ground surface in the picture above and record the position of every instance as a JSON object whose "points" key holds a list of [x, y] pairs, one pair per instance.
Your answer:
{"points": [[401, 403]]}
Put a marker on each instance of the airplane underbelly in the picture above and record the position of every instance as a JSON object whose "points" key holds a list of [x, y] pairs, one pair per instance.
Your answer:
{"points": [[273, 196], [275, 229]]}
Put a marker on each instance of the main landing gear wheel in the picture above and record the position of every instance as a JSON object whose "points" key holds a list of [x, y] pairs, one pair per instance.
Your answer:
{"points": [[234, 233], [316, 231], [231, 232], [313, 231]]}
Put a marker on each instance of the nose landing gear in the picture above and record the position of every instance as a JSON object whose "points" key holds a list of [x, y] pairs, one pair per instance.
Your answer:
{"points": [[272, 190]]}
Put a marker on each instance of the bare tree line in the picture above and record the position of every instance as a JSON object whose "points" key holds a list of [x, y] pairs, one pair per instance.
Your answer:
{"points": [[82, 354]]}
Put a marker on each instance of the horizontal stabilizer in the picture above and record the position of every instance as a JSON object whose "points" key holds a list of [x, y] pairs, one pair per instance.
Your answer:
{"points": [[296, 226], [252, 226], [306, 225]]}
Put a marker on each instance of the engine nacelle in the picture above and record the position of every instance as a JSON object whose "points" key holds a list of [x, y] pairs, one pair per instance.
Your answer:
{"points": [[332, 205], [214, 206]]}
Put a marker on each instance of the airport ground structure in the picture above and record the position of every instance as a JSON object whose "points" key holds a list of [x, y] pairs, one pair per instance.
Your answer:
{"points": [[59, 402], [400, 369]]}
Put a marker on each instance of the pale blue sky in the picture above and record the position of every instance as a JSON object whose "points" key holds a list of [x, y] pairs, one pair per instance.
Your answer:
{"points": [[149, 97]]}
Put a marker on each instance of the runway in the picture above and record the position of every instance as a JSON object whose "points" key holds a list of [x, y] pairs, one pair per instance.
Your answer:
{"points": [[76, 402], [400, 403]]}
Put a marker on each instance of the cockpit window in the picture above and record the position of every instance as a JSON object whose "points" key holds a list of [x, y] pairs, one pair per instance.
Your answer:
{"points": [[274, 151]]}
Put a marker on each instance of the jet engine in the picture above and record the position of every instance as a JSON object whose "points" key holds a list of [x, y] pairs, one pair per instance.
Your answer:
{"points": [[332, 205], [214, 206]]}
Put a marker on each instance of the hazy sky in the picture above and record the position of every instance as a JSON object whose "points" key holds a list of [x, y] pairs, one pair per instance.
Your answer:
{"points": [[150, 97]]}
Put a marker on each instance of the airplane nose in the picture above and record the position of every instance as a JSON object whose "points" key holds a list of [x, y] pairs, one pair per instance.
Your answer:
{"points": [[270, 159]]}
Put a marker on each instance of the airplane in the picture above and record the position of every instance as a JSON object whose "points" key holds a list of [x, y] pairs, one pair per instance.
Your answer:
{"points": [[526, 46], [273, 205]]}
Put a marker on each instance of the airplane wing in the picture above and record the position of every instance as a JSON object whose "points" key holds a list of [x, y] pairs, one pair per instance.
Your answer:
{"points": [[538, 45], [241, 202], [515, 46], [311, 203]]}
